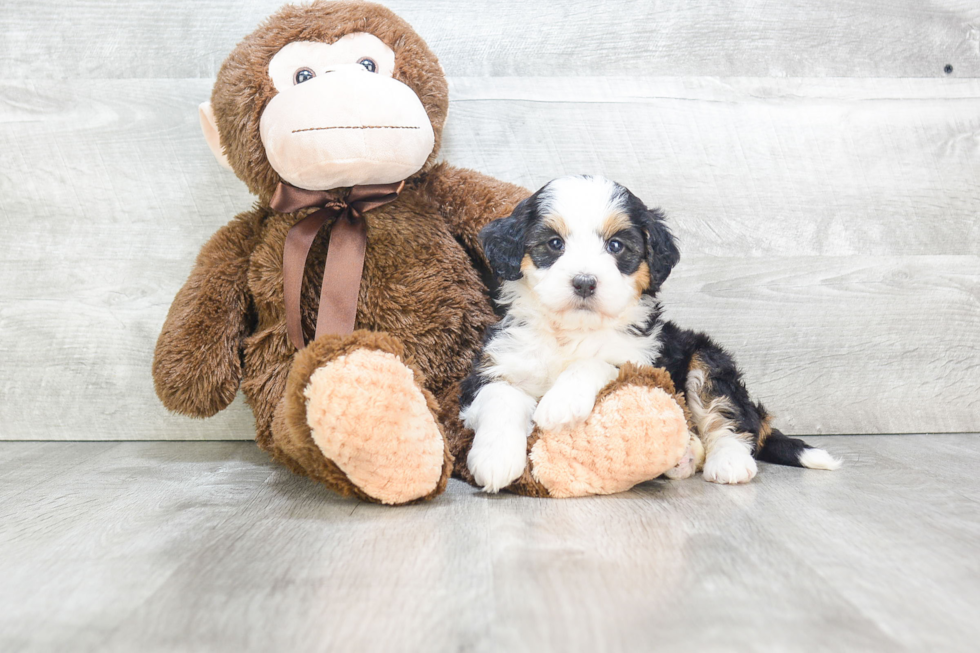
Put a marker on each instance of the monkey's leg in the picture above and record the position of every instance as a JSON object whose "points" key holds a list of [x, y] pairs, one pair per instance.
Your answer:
{"points": [[637, 431], [358, 419]]}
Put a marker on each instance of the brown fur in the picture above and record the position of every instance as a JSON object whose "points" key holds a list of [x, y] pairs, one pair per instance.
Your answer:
{"points": [[292, 440], [421, 298], [613, 224], [641, 278], [557, 223], [765, 430], [707, 397], [716, 411]]}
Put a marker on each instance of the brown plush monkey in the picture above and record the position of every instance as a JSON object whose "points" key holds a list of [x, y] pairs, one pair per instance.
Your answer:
{"points": [[324, 98]]}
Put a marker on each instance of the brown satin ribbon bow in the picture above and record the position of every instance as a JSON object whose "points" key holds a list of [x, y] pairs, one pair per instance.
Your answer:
{"points": [[345, 254]]}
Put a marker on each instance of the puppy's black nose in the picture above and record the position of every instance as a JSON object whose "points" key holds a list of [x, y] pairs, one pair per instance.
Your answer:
{"points": [[584, 285]]}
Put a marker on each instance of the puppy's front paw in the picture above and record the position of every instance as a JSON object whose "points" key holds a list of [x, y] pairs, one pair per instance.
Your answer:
{"points": [[497, 459], [562, 406], [730, 463]]}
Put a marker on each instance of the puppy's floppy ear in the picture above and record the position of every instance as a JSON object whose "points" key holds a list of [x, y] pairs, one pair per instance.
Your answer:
{"points": [[503, 241], [662, 253]]}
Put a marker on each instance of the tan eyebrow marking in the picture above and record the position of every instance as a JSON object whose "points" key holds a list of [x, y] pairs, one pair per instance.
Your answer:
{"points": [[613, 224], [557, 223]]}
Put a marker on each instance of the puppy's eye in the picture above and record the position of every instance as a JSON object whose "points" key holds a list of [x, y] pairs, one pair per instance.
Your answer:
{"points": [[615, 246], [303, 75], [368, 63], [557, 244]]}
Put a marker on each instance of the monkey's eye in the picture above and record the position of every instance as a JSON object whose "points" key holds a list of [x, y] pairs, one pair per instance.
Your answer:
{"points": [[615, 246], [557, 244], [303, 75], [368, 63]]}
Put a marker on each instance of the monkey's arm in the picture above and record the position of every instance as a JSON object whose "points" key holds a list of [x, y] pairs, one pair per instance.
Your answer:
{"points": [[197, 364], [470, 200]]}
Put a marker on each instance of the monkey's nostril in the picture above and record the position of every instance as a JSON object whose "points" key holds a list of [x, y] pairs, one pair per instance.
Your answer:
{"points": [[584, 285]]}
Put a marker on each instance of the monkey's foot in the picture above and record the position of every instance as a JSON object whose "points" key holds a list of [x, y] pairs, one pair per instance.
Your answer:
{"points": [[367, 412], [636, 432], [691, 461]]}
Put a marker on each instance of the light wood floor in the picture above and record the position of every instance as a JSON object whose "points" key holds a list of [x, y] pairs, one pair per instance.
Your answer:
{"points": [[146, 546]]}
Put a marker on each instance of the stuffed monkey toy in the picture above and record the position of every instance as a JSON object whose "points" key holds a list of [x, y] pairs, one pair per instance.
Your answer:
{"points": [[350, 302]]}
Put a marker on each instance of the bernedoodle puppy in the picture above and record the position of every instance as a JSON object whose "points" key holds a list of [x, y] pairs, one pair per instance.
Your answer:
{"points": [[580, 263]]}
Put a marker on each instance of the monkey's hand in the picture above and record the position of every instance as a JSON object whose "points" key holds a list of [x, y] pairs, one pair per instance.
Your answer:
{"points": [[197, 363]]}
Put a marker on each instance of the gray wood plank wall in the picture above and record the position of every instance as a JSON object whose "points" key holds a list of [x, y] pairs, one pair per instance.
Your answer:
{"points": [[819, 166]]}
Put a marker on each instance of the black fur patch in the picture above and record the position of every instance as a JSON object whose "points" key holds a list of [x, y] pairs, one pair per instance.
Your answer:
{"points": [[634, 249], [504, 240], [781, 450], [678, 348], [661, 248], [542, 254], [662, 252], [471, 385], [647, 327], [476, 379]]}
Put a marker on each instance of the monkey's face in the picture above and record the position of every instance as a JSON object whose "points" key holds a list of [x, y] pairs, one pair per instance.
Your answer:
{"points": [[327, 95], [339, 118]]}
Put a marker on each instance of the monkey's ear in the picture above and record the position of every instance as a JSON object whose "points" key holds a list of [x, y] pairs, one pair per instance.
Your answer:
{"points": [[503, 241], [210, 128], [662, 252]]}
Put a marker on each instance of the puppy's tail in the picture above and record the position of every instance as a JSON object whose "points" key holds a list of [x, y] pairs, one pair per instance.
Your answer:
{"points": [[781, 450]]}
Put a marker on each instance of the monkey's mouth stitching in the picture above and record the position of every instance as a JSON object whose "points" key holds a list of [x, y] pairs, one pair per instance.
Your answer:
{"points": [[313, 129]]}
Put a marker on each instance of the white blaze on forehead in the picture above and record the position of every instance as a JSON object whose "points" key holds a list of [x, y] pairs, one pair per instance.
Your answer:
{"points": [[581, 210], [582, 203]]}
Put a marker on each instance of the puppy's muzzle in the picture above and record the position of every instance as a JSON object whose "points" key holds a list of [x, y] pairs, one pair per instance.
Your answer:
{"points": [[584, 285]]}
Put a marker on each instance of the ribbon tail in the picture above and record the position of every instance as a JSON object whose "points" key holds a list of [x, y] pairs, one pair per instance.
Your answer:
{"points": [[299, 240]]}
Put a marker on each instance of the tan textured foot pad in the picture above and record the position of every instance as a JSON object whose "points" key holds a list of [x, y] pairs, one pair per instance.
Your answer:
{"points": [[635, 433], [366, 414]]}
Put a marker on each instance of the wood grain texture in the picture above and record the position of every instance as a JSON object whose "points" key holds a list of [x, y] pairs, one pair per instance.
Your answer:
{"points": [[752, 167], [105, 201], [828, 231], [829, 343], [797, 38], [209, 546]]}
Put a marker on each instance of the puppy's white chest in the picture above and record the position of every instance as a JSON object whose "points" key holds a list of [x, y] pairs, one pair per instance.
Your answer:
{"points": [[533, 361], [533, 369]]}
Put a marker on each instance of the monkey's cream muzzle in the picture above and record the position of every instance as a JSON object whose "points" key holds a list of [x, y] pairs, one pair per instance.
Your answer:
{"points": [[346, 127]]}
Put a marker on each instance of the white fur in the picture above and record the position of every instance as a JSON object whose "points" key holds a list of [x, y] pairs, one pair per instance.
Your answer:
{"points": [[572, 398], [550, 350], [730, 461], [819, 459], [500, 417], [534, 346], [581, 205]]}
